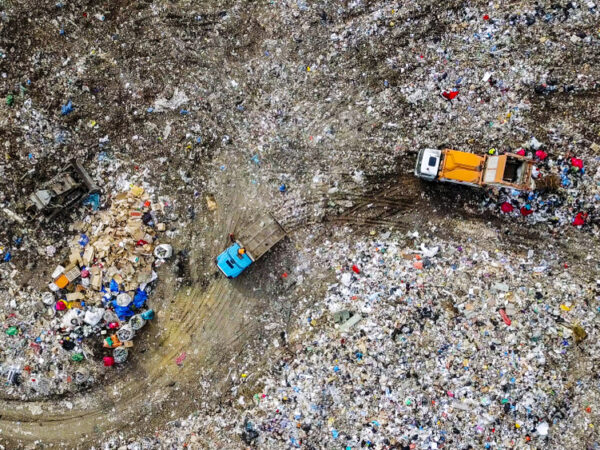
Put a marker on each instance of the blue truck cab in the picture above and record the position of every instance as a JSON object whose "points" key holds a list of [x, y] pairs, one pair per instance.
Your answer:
{"points": [[231, 262], [255, 241]]}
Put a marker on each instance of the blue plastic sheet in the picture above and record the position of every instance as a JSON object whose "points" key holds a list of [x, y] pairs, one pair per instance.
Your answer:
{"points": [[122, 312], [66, 109], [139, 298], [114, 286], [84, 240]]}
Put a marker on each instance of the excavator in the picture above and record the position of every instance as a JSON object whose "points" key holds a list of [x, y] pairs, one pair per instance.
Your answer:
{"points": [[66, 189]]}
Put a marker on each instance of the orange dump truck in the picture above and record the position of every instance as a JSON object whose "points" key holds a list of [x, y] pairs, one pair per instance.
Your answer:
{"points": [[453, 166]]}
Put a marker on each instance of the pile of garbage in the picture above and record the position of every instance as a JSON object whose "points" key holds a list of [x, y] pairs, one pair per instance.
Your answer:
{"points": [[412, 345], [303, 109], [567, 191], [99, 292], [422, 343]]}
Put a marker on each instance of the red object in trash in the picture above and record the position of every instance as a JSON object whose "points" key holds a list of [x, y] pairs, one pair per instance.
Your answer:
{"points": [[141, 242], [113, 325], [505, 317], [108, 361], [486, 17], [355, 269], [526, 211], [60, 305], [506, 207], [576, 162], [579, 219], [449, 95], [179, 360], [541, 154], [521, 152]]}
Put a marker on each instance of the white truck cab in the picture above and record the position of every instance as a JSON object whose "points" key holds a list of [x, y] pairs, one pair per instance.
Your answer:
{"points": [[428, 163]]}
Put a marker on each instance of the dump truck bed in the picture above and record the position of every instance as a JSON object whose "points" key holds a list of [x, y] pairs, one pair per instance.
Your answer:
{"points": [[461, 167], [260, 236], [509, 170]]}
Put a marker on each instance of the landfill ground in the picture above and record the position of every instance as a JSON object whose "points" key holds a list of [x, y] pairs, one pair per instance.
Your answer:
{"points": [[479, 319]]}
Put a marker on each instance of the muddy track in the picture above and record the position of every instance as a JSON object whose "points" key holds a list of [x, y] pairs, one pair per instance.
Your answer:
{"points": [[383, 208]]}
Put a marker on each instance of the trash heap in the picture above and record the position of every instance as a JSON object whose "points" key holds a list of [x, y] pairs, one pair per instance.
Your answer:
{"points": [[566, 191], [423, 343], [300, 103], [97, 296], [436, 346], [102, 289]]}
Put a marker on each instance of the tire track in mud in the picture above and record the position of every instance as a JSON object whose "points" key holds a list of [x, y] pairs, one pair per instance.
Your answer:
{"points": [[384, 208]]}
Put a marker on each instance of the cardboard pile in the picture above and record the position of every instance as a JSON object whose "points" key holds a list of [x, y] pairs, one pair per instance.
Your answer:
{"points": [[117, 246]]}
